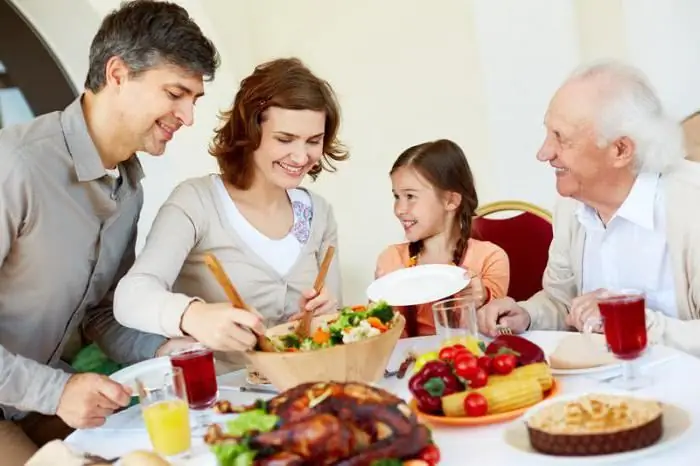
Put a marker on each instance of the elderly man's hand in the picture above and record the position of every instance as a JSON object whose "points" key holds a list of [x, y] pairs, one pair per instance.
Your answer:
{"points": [[503, 312], [584, 308]]}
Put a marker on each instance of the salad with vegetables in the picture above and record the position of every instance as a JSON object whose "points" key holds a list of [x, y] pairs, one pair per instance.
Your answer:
{"points": [[352, 324]]}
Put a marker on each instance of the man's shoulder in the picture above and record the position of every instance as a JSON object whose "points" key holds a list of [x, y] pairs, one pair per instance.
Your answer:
{"points": [[20, 142]]}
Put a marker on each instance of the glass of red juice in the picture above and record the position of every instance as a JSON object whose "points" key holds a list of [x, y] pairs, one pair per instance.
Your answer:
{"points": [[197, 364], [623, 320]]}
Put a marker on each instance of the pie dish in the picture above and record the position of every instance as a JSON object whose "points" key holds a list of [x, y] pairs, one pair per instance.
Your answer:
{"points": [[596, 425]]}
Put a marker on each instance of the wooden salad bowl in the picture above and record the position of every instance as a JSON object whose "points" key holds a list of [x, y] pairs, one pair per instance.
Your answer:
{"points": [[361, 361]]}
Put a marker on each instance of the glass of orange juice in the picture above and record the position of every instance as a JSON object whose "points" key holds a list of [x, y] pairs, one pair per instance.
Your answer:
{"points": [[165, 410]]}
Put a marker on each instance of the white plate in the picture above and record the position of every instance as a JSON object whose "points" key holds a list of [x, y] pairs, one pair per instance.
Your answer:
{"points": [[418, 285], [128, 375], [586, 371], [676, 422]]}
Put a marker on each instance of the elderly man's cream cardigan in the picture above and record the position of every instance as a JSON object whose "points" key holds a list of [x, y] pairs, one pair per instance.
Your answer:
{"points": [[563, 276]]}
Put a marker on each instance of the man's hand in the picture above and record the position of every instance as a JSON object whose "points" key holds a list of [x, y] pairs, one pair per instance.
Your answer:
{"points": [[222, 327], [583, 308], [88, 399], [175, 345], [504, 312]]}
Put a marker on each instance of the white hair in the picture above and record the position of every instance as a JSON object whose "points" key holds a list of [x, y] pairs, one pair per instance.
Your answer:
{"points": [[631, 108]]}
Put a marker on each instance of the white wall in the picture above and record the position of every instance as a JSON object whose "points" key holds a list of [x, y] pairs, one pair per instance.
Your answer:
{"points": [[477, 71]]}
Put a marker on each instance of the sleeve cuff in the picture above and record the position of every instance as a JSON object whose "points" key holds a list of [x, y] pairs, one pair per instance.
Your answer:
{"points": [[46, 388], [171, 316]]}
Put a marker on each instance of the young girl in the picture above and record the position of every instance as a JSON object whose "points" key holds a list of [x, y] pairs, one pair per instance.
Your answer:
{"points": [[435, 200]]}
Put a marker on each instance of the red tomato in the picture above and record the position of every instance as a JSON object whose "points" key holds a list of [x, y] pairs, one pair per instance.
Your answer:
{"points": [[430, 454], [447, 353], [475, 405], [466, 365], [504, 363], [485, 363], [479, 380], [459, 347]]}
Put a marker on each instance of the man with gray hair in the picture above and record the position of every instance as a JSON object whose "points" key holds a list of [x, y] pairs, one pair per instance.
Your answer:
{"points": [[70, 199], [624, 219]]}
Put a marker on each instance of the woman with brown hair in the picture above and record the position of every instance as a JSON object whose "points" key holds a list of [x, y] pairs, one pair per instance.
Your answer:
{"points": [[269, 234]]}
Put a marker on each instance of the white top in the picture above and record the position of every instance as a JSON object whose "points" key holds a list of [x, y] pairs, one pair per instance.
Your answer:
{"points": [[280, 254], [113, 172], [631, 252]]}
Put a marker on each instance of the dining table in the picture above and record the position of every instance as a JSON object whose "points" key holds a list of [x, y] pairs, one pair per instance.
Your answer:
{"points": [[674, 378]]}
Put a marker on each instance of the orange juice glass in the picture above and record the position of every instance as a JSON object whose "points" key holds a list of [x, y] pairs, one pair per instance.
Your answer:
{"points": [[165, 410]]}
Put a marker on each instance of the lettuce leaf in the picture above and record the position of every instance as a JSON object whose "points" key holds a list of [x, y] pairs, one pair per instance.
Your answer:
{"points": [[255, 420], [239, 453]]}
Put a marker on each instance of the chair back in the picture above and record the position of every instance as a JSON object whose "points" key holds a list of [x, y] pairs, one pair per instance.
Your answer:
{"points": [[525, 237]]}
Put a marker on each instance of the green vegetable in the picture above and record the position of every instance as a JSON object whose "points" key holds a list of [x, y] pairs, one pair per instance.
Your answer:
{"points": [[381, 311], [256, 420], [290, 341], [239, 453], [387, 462], [231, 453]]}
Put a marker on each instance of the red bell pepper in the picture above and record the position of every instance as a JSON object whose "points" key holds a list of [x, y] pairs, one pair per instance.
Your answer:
{"points": [[431, 383]]}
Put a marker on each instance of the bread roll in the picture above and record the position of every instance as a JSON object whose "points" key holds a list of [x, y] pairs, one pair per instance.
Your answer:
{"points": [[143, 458]]}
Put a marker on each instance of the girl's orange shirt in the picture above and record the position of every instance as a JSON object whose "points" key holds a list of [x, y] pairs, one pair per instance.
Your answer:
{"points": [[483, 258]]}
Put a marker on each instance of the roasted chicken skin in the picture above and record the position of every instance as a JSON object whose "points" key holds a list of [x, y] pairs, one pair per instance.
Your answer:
{"points": [[333, 423]]}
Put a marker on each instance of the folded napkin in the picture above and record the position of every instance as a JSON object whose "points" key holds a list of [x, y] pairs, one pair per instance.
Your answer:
{"points": [[57, 453], [581, 351]]}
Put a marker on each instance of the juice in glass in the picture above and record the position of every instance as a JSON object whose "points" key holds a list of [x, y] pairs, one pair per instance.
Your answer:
{"points": [[197, 366], [165, 410], [168, 426], [624, 324]]}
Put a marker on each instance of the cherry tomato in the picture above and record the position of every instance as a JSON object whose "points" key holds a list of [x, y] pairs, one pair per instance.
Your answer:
{"points": [[485, 363], [466, 365], [504, 363], [430, 454], [459, 347], [479, 380], [447, 353], [475, 405]]}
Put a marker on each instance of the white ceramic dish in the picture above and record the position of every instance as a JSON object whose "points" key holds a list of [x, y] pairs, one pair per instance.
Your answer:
{"points": [[418, 285], [676, 422], [128, 375]]}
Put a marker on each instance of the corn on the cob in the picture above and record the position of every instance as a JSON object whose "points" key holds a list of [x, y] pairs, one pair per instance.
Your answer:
{"points": [[540, 372], [501, 397]]}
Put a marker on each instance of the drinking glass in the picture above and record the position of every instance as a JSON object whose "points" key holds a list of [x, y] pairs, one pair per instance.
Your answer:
{"points": [[455, 318], [623, 319], [197, 365], [165, 410]]}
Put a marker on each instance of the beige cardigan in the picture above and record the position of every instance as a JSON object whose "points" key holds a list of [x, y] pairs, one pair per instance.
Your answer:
{"points": [[563, 275], [170, 271]]}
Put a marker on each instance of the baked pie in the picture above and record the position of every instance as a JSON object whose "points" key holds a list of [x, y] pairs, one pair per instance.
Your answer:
{"points": [[596, 425]]}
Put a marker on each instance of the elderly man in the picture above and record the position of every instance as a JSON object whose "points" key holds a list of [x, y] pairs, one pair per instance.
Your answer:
{"points": [[70, 198], [626, 215]]}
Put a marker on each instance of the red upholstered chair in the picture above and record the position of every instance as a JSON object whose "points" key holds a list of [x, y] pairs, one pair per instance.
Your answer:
{"points": [[525, 237]]}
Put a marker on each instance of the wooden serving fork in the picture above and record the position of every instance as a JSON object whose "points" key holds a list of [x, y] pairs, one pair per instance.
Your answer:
{"points": [[304, 328], [234, 297]]}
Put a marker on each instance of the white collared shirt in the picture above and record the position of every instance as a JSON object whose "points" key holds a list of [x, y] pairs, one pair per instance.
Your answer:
{"points": [[631, 252]]}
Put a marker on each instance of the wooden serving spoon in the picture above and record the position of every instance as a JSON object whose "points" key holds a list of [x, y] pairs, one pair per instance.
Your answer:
{"points": [[234, 297], [304, 328]]}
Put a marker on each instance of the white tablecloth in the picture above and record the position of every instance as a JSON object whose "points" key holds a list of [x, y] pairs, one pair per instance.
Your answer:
{"points": [[676, 379]]}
